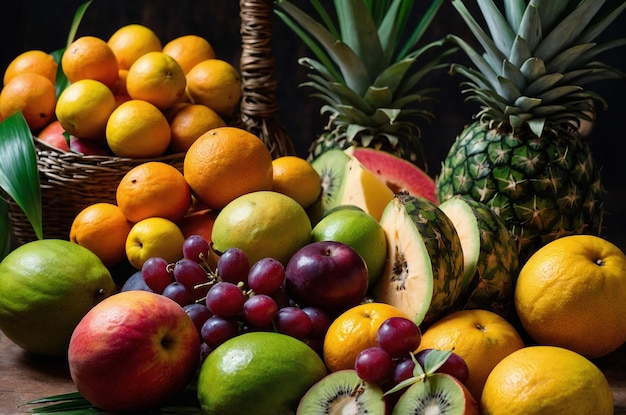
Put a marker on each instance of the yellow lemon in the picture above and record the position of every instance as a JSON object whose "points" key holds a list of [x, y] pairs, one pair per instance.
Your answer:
{"points": [[132, 41], [154, 237], [216, 84], [157, 78], [296, 178]]}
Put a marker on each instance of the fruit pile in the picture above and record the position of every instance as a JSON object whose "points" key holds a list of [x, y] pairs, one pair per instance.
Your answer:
{"points": [[128, 95]]}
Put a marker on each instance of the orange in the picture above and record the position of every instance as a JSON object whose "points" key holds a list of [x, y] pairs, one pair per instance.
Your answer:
{"points": [[189, 123], [90, 57], [189, 50], [572, 293], [353, 331], [157, 78], [225, 163], [152, 189], [216, 84], [138, 129], [102, 228], [31, 93], [32, 61], [546, 380], [481, 337], [296, 178], [132, 41], [84, 107]]}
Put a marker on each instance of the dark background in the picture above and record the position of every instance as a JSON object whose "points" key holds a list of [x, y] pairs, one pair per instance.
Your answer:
{"points": [[44, 24]]}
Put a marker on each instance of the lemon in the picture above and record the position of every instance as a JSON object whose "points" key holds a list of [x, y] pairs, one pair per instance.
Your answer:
{"points": [[46, 287], [154, 237], [258, 372], [262, 224], [544, 380]]}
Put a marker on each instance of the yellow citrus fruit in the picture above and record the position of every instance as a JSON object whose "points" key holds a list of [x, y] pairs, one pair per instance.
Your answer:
{"points": [[31, 93], [262, 224], [546, 380], [189, 50], [152, 189], [296, 178], [84, 107], [152, 237], [130, 42], [32, 61], [157, 78], [353, 331], [225, 163], [572, 293], [138, 129], [189, 123], [90, 57], [102, 228], [216, 84], [481, 337]]}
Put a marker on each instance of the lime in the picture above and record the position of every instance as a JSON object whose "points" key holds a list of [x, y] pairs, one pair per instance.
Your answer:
{"points": [[262, 224], [264, 373], [359, 230], [46, 287]]}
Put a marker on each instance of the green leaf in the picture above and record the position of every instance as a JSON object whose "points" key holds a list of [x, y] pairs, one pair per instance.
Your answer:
{"points": [[420, 29], [514, 10], [498, 26], [19, 176], [435, 359], [78, 16]]}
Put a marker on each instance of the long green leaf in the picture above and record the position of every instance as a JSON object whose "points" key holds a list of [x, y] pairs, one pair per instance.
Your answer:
{"points": [[78, 16], [420, 29], [498, 26], [19, 177]]}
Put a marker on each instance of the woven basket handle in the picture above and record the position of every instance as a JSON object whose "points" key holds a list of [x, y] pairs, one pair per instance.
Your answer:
{"points": [[259, 108]]}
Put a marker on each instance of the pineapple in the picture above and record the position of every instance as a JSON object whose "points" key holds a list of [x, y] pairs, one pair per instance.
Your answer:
{"points": [[366, 78], [524, 155]]}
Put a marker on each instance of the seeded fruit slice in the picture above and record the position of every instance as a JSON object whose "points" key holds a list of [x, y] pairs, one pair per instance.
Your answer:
{"points": [[360, 187], [424, 266], [438, 393], [342, 392], [490, 255], [330, 165]]}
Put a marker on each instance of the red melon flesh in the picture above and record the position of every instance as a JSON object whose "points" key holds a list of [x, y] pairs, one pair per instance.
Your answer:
{"points": [[399, 174]]}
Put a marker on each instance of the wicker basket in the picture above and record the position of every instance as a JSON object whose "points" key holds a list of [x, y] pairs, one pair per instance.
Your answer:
{"points": [[70, 182]]}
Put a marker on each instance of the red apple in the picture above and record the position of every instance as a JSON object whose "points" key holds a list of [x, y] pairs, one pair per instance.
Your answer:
{"points": [[87, 147], [52, 134], [133, 352], [329, 275]]}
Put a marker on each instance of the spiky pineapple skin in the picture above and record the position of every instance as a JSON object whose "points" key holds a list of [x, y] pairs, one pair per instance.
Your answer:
{"points": [[543, 187]]}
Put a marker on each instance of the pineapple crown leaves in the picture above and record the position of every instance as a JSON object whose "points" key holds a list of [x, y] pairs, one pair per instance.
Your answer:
{"points": [[537, 58]]}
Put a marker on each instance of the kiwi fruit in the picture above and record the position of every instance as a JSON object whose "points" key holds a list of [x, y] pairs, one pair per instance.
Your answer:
{"points": [[342, 392], [438, 393], [330, 165]]}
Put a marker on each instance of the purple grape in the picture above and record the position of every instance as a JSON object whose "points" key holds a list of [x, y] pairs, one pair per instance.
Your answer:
{"points": [[374, 365], [135, 283], [177, 292], [403, 369], [455, 365], [398, 336], [293, 322], [319, 321], [196, 248], [266, 276], [191, 274], [155, 274], [198, 313], [233, 266], [282, 298], [260, 310], [225, 299], [216, 330]]}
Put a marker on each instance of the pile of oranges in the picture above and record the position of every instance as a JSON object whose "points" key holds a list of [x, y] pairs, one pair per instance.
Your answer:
{"points": [[129, 94]]}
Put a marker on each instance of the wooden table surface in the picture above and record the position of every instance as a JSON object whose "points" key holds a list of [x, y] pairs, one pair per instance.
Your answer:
{"points": [[24, 377]]}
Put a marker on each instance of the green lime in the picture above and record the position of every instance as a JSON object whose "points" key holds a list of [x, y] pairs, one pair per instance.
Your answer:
{"points": [[262, 224], [46, 287], [359, 230], [261, 373]]}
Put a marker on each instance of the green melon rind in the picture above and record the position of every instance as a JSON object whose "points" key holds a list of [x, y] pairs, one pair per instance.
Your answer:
{"points": [[431, 248]]}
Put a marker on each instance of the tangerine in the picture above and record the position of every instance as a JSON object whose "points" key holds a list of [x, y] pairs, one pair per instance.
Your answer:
{"points": [[157, 78], [32, 94], [132, 41], [90, 57], [189, 50], [189, 123], [32, 61], [296, 178], [216, 84]]}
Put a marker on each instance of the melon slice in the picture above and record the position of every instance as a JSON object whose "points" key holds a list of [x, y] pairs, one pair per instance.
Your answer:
{"points": [[424, 266], [362, 188], [400, 175], [490, 255]]}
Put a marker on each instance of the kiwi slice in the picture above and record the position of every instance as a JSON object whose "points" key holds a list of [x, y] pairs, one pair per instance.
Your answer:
{"points": [[342, 392], [438, 393], [330, 165]]}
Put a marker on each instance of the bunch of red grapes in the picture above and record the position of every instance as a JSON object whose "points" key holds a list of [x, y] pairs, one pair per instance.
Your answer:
{"points": [[234, 298]]}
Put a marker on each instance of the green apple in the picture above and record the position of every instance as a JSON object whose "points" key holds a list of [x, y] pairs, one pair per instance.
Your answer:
{"points": [[359, 230], [133, 352]]}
